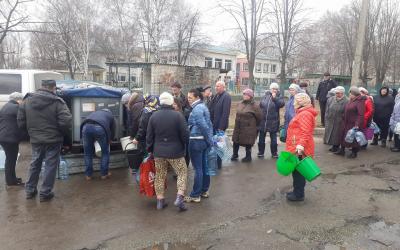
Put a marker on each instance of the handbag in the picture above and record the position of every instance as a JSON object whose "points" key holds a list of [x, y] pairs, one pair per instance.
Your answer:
{"points": [[282, 134]]}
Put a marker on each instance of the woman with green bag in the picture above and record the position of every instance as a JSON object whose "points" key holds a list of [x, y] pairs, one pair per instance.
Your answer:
{"points": [[300, 140]]}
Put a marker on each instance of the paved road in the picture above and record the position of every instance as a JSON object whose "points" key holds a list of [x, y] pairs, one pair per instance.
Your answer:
{"points": [[353, 205]]}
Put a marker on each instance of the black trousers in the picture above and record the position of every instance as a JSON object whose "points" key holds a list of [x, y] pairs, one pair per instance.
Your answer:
{"points": [[322, 107], [383, 125], [11, 151], [299, 182], [396, 141]]}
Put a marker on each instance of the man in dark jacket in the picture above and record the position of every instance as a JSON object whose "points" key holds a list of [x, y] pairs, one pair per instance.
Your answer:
{"points": [[167, 137], [323, 89], [47, 119], [98, 126], [220, 108], [10, 136], [176, 91], [384, 104]]}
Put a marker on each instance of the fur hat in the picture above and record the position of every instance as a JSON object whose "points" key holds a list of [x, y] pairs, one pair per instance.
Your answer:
{"points": [[274, 85], [248, 92], [354, 91], [340, 89], [166, 99], [16, 96]]}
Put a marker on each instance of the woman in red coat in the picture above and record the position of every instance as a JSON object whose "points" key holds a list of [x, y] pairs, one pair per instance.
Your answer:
{"points": [[300, 140], [353, 118], [369, 107]]}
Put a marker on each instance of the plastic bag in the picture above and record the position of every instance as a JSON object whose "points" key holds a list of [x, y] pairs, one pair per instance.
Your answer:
{"points": [[224, 147], [147, 177], [360, 138], [282, 134], [212, 164], [350, 136], [369, 133], [397, 129], [375, 127]]}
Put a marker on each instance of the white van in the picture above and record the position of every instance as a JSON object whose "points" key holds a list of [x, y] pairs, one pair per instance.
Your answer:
{"points": [[24, 81]]}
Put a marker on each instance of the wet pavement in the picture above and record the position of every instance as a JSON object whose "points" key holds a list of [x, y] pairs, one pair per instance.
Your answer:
{"points": [[353, 205]]}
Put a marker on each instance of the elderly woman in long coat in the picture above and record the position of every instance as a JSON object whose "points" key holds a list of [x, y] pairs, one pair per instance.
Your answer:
{"points": [[248, 117], [334, 116], [353, 118]]}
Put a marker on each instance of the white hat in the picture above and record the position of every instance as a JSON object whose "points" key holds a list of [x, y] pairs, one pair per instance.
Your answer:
{"points": [[296, 88], [339, 89], [125, 98], [15, 96], [274, 85], [166, 99]]}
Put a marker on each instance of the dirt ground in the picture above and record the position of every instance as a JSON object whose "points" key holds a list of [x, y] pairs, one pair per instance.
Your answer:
{"points": [[354, 204]]}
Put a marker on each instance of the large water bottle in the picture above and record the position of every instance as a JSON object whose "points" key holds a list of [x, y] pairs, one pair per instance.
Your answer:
{"points": [[212, 164], [63, 169], [2, 158]]}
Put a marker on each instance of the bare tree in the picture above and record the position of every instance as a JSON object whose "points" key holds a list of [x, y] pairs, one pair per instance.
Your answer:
{"points": [[287, 23], [13, 47], [249, 15]]}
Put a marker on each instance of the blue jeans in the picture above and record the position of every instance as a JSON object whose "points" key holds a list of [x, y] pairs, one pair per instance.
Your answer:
{"points": [[90, 134], [274, 141], [198, 156], [50, 155]]}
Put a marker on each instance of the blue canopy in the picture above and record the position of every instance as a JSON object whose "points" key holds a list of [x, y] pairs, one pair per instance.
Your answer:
{"points": [[92, 92]]}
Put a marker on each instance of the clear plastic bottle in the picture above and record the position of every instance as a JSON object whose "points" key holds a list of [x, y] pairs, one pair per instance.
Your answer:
{"points": [[63, 169]]}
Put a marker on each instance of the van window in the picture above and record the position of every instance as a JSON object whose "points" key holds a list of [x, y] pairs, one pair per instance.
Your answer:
{"points": [[10, 83], [45, 76]]}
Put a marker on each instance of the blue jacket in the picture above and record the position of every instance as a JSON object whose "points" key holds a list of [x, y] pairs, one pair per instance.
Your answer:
{"points": [[105, 119], [220, 108], [289, 111], [200, 123]]}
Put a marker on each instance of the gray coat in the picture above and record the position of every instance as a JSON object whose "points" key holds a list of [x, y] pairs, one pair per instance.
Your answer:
{"points": [[334, 118]]}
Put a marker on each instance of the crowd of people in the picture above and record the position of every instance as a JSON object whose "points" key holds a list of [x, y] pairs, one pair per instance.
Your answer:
{"points": [[178, 130]]}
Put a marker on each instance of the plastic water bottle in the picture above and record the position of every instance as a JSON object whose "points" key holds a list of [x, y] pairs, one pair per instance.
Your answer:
{"points": [[2, 158], [63, 169], [212, 164]]}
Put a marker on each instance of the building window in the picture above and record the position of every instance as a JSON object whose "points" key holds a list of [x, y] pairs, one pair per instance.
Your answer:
{"points": [[273, 68], [237, 67], [208, 62], [245, 81], [245, 67], [257, 80], [258, 67], [218, 63], [133, 78], [266, 68], [121, 78], [228, 65]]}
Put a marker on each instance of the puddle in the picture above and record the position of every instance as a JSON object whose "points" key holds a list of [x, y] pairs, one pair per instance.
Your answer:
{"points": [[171, 246]]}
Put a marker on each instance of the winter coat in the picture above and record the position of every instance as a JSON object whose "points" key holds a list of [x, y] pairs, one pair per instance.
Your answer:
{"points": [[369, 111], [220, 108], [45, 116], [167, 133], [395, 117], [323, 88], [248, 117], [270, 112], [184, 101], [134, 113], [384, 106], [300, 131], [289, 111], [142, 131], [103, 118], [334, 120], [9, 131], [353, 117], [200, 123]]}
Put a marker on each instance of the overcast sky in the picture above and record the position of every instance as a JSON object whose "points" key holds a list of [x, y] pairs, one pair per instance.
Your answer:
{"points": [[219, 26]]}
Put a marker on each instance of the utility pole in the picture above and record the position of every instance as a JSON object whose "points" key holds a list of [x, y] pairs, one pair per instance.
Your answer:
{"points": [[358, 56]]}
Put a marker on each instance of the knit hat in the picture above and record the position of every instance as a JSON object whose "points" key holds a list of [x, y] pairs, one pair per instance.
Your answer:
{"points": [[302, 100], [166, 99], [16, 96], [354, 91], [340, 89], [248, 92], [363, 90], [274, 85], [125, 98], [296, 88]]}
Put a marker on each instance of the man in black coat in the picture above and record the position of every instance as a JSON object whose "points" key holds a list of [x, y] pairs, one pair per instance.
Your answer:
{"points": [[47, 119], [220, 108], [323, 89], [10, 136], [98, 126]]}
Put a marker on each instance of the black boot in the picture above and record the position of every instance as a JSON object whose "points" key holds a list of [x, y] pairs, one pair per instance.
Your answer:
{"points": [[261, 150], [340, 151], [248, 155], [334, 148], [353, 154], [383, 143], [274, 151], [375, 140], [235, 155]]}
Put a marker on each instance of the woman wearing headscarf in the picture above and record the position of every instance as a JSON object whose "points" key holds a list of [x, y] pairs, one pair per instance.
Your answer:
{"points": [[248, 117], [300, 140], [334, 118], [10, 137], [384, 103], [270, 105], [135, 108], [151, 105], [394, 120], [353, 119], [290, 111]]}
